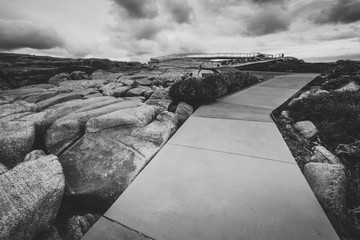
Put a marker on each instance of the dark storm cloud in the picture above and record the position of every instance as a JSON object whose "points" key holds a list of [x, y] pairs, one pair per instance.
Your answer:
{"points": [[343, 11], [24, 34], [180, 11], [147, 31], [139, 8], [267, 1], [266, 23]]}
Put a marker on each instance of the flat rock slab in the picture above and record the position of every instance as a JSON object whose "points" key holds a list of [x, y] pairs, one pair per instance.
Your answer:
{"points": [[224, 110], [257, 139], [203, 194]]}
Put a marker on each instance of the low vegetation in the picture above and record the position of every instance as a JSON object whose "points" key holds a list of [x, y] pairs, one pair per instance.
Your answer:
{"points": [[200, 91], [335, 112]]}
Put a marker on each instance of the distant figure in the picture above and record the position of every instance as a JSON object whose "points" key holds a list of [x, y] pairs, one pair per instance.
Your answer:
{"points": [[200, 67]]}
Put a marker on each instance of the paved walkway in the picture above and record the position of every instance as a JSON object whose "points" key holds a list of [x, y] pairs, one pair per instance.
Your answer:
{"points": [[225, 174]]}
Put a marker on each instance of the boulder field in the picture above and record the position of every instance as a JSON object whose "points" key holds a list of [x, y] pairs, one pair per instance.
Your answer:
{"points": [[70, 147]]}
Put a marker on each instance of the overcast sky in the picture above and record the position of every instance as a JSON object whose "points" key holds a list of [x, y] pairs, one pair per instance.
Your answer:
{"points": [[314, 30]]}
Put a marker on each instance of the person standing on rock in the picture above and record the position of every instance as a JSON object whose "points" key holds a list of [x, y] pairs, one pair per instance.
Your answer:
{"points": [[200, 67]]}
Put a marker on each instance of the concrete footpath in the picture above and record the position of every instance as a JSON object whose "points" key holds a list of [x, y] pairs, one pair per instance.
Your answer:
{"points": [[226, 174]]}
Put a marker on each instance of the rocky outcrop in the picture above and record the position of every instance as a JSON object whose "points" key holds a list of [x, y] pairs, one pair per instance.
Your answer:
{"points": [[114, 149], [16, 140], [30, 196], [22, 70], [328, 182], [101, 130], [66, 130]]}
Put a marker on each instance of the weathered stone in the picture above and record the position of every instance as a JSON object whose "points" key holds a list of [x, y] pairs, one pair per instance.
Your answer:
{"points": [[286, 115], [15, 116], [66, 130], [143, 82], [3, 168], [139, 91], [141, 115], [352, 86], [148, 94], [30, 197], [80, 85], [305, 94], [293, 101], [17, 107], [77, 226], [127, 82], [163, 103], [322, 155], [78, 75], [34, 155], [328, 182], [43, 120], [183, 112], [16, 140], [319, 92], [113, 151], [121, 91], [306, 128], [58, 78], [58, 99], [160, 94], [135, 99], [21, 93], [41, 97]]}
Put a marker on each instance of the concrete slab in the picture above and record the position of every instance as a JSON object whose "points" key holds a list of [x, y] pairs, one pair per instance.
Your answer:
{"points": [[233, 111], [261, 101], [270, 91], [105, 229], [296, 81], [187, 193], [257, 139]]}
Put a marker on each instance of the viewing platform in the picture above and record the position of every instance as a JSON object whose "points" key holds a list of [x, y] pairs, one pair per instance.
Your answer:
{"points": [[212, 56]]}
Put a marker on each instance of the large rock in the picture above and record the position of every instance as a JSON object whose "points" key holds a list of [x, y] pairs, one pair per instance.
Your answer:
{"points": [[16, 107], [30, 196], [322, 155], [16, 140], [352, 86], [328, 182], [78, 75], [66, 130], [306, 128], [58, 78], [163, 103], [115, 148], [77, 226], [3, 168], [139, 91], [183, 112], [160, 94], [58, 99]]}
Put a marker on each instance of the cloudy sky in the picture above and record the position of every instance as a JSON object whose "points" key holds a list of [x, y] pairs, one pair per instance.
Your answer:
{"points": [[314, 30]]}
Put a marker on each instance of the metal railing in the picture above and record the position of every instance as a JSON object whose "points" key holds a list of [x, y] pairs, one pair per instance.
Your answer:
{"points": [[215, 56]]}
